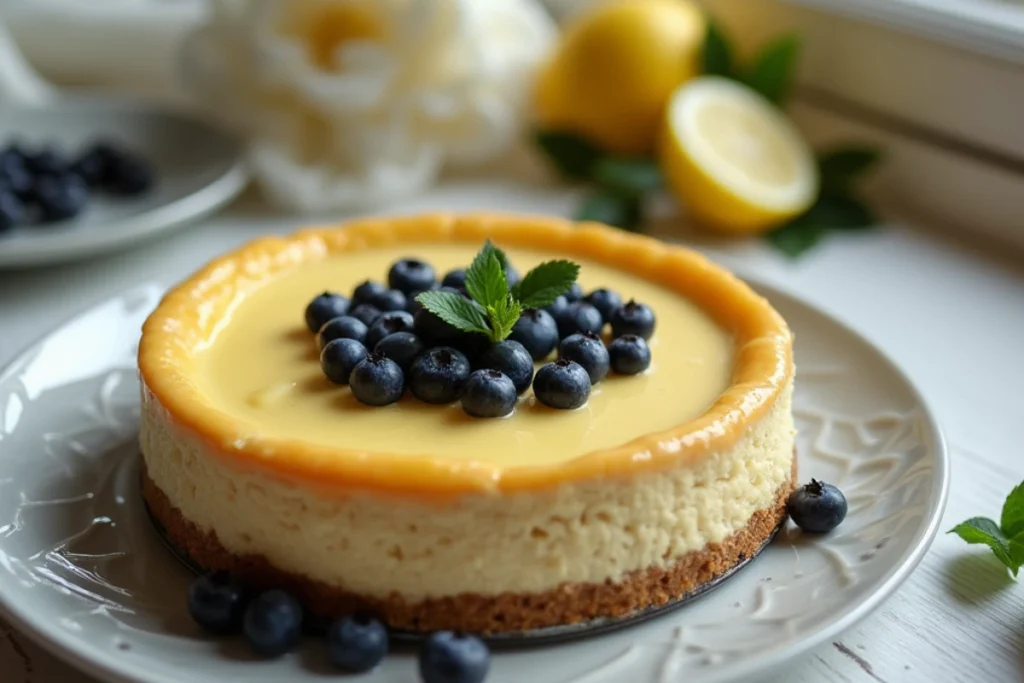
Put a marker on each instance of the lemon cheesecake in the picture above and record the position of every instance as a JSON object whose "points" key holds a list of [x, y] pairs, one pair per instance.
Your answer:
{"points": [[254, 463]]}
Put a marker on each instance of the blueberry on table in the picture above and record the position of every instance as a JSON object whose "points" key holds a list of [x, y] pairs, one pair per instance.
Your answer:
{"points": [[557, 306], [60, 197], [438, 375], [448, 657], [129, 176], [339, 358], [574, 294], [217, 603], [633, 318], [579, 316], [411, 275], [377, 381], [273, 623], [401, 347], [563, 384], [46, 162], [356, 644], [455, 278], [366, 291], [629, 355], [589, 352], [388, 323], [12, 210], [366, 313], [511, 359], [537, 331], [817, 507], [343, 327], [488, 393], [605, 301], [324, 307]]}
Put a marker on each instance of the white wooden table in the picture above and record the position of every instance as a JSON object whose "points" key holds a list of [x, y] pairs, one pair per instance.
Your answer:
{"points": [[951, 315]]}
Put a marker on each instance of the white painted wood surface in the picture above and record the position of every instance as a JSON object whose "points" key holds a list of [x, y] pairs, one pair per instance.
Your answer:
{"points": [[950, 314]]}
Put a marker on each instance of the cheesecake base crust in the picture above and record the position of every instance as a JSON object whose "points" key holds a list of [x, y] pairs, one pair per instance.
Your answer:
{"points": [[570, 603]]}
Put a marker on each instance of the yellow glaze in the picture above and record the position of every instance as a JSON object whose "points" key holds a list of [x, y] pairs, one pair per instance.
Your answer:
{"points": [[228, 357]]}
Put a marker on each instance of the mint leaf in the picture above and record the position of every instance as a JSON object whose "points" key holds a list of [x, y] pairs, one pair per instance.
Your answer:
{"points": [[981, 530], [485, 277], [612, 208], [545, 283], [628, 175], [456, 310], [840, 167], [797, 236], [503, 315], [571, 154], [1017, 550], [843, 211], [772, 71], [716, 52], [1012, 519]]}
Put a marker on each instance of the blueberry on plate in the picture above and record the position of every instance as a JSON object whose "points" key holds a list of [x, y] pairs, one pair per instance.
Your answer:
{"points": [[366, 313], [273, 623], [579, 317], [563, 384], [605, 301], [817, 507], [60, 197], [366, 291], [377, 381], [129, 176], [574, 294], [401, 347], [537, 332], [488, 393], [633, 318], [324, 307], [342, 327], [339, 358], [96, 163], [455, 278], [629, 355], [12, 210], [588, 350], [438, 375], [448, 657], [410, 275], [356, 644], [217, 602], [46, 162], [511, 359], [388, 323], [557, 306]]}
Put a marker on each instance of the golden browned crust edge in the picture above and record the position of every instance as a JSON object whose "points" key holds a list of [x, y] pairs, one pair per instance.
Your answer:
{"points": [[567, 604]]}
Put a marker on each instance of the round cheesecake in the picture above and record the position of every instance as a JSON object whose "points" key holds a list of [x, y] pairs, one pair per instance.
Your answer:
{"points": [[254, 463]]}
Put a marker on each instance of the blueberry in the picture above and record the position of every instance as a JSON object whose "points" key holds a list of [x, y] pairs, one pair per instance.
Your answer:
{"points": [[273, 623], [439, 375], [411, 275], [629, 354], [488, 393], [12, 210], [563, 384], [60, 197], [512, 275], [324, 307], [401, 347], [339, 357], [389, 300], [18, 180], [343, 327], [455, 278], [817, 507], [366, 313], [537, 332], [574, 294], [605, 301], [129, 176], [557, 306], [388, 323], [46, 162], [447, 657], [356, 644], [12, 156], [511, 359], [217, 603], [96, 163], [588, 350], [633, 318], [377, 381], [366, 291], [579, 317], [431, 328]]}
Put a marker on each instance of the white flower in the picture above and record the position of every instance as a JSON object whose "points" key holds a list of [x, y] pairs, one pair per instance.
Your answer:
{"points": [[352, 103]]}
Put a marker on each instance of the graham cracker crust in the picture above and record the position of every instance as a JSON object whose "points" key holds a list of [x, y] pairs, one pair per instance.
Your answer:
{"points": [[485, 614]]}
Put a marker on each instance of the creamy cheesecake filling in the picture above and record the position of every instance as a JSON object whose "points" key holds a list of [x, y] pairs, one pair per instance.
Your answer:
{"points": [[375, 544]]}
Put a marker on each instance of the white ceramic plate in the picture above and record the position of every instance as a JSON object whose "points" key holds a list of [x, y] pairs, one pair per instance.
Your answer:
{"points": [[198, 170], [83, 573]]}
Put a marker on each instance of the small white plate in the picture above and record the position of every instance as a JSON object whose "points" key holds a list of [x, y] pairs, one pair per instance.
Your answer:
{"points": [[198, 170], [83, 572]]}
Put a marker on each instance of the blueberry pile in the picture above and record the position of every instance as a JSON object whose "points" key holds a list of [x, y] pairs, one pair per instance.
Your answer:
{"points": [[44, 186], [272, 622], [383, 340]]}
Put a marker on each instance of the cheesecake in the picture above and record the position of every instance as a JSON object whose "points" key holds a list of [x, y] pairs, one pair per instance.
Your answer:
{"points": [[254, 463]]}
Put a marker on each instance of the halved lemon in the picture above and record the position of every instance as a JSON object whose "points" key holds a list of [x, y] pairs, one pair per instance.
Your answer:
{"points": [[733, 159]]}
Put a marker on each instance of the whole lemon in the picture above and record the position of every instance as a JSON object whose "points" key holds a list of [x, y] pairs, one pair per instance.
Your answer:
{"points": [[615, 69]]}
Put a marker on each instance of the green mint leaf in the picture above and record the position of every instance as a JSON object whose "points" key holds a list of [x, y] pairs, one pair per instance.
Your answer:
{"points": [[843, 211], [612, 208], [456, 310], [772, 71], [503, 315], [797, 236], [545, 283], [1017, 550], [485, 277], [1011, 521], [841, 166], [571, 154], [716, 52], [626, 175], [981, 530]]}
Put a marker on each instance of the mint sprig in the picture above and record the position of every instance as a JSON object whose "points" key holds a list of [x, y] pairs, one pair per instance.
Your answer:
{"points": [[1006, 539], [494, 307]]}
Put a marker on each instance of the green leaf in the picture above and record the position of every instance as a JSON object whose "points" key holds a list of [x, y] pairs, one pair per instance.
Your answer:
{"points": [[1017, 550], [485, 277], [797, 236], [716, 53], [627, 175], [612, 208], [981, 530], [842, 211], [772, 71], [841, 166], [545, 283], [503, 315], [571, 154], [456, 310], [1011, 521]]}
